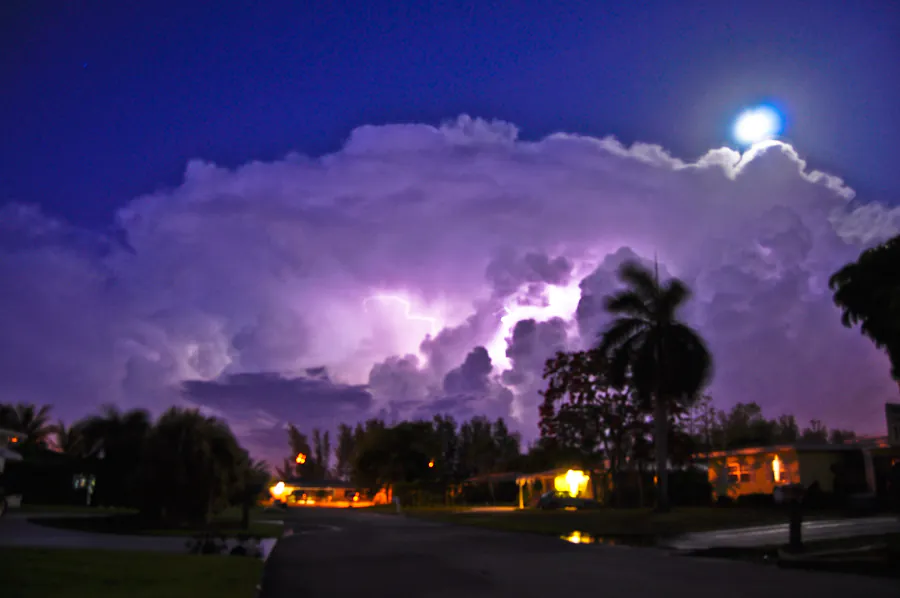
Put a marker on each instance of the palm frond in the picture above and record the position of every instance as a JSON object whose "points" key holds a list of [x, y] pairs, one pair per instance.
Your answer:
{"points": [[629, 303], [673, 295], [619, 332], [641, 280]]}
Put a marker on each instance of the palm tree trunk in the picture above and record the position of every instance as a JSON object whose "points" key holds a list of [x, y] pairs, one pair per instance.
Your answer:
{"points": [[640, 482], [661, 440], [246, 503]]}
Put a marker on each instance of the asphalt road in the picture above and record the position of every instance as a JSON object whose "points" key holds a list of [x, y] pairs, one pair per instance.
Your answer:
{"points": [[337, 553]]}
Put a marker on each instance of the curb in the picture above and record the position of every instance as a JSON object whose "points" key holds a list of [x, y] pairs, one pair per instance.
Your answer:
{"points": [[267, 546]]}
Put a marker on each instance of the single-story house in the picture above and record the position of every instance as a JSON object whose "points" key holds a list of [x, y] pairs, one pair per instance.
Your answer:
{"points": [[575, 482], [298, 491], [846, 469]]}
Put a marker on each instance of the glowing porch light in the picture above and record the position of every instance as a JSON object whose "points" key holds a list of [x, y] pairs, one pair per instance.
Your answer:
{"points": [[277, 489], [431, 463], [571, 482], [776, 468]]}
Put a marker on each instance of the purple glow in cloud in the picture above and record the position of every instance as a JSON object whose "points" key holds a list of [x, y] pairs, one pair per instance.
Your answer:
{"points": [[237, 282]]}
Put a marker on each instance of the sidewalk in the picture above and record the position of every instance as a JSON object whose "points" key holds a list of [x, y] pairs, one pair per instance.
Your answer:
{"points": [[773, 535], [16, 530]]}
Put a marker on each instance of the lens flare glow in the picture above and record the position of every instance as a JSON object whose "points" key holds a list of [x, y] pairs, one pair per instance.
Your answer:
{"points": [[757, 125], [573, 482]]}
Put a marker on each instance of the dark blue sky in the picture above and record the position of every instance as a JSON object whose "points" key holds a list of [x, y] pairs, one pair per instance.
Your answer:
{"points": [[102, 101]]}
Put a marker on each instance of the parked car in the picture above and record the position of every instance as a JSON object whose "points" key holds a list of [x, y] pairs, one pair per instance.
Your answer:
{"points": [[554, 499]]}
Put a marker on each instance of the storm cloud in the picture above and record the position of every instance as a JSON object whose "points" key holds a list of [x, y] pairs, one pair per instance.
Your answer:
{"points": [[227, 289]]}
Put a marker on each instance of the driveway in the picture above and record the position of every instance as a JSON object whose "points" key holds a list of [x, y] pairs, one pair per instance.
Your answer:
{"points": [[347, 553], [16, 530]]}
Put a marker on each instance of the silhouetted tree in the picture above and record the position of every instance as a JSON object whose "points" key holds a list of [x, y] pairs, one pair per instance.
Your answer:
{"points": [[841, 436], [32, 421], [868, 293], [193, 468], [116, 439], [70, 440], [667, 361], [816, 433], [583, 414], [344, 451]]}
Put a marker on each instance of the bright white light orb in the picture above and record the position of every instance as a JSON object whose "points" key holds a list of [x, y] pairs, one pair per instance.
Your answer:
{"points": [[756, 125]]}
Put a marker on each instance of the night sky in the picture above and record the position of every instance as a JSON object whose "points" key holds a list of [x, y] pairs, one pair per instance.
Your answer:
{"points": [[197, 200]]}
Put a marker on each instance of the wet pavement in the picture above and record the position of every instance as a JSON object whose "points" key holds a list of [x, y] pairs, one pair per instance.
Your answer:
{"points": [[339, 553]]}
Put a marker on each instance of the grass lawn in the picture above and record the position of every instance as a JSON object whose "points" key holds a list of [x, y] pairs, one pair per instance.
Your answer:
{"points": [[40, 573], [129, 523], [639, 526]]}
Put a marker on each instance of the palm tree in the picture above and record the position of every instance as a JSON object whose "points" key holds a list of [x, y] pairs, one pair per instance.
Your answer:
{"points": [[193, 466], [254, 477], [117, 438], [69, 440], [664, 359], [868, 293], [32, 421]]}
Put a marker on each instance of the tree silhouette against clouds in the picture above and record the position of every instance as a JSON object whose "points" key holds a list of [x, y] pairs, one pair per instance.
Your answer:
{"points": [[31, 420], [667, 361], [868, 293]]}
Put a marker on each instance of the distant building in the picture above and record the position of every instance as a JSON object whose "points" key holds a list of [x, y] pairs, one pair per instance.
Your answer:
{"points": [[833, 468], [8, 439], [892, 415], [864, 466], [321, 493]]}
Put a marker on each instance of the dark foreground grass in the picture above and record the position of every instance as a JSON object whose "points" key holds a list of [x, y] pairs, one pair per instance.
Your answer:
{"points": [[638, 526], [133, 524], [863, 555], [43, 573], [75, 509]]}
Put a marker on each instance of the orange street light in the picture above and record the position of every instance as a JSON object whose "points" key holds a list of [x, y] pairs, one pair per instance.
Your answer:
{"points": [[431, 463], [301, 458]]}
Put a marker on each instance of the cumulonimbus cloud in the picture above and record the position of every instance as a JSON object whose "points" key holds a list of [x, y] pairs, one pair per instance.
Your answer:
{"points": [[263, 272]]}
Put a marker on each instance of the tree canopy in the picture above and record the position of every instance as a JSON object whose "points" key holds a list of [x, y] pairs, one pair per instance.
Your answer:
{"points": [[868, 293]]}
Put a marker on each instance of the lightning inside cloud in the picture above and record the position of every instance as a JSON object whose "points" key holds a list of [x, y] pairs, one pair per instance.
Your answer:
{"points": [[239, 290]]}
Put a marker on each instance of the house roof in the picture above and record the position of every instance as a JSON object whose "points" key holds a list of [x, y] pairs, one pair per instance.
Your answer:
{"points": [[779, 448], [553, 473], [505, 476], [301, 483]]}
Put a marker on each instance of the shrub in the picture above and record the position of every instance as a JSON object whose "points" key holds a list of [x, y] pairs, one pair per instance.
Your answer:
{"points": [[756, 500]]}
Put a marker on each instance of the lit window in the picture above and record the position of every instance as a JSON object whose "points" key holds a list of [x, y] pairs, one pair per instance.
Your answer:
{"points": [[779, 472], [738, 473]]}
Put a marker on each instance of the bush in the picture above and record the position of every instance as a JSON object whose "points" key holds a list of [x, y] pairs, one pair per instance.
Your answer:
{"points": [[690, 487], [724, 501], [756, 500]]}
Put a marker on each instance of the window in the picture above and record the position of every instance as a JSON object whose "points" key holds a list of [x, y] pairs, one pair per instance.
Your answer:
{"points": [[738, 473], [779, 471]]}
